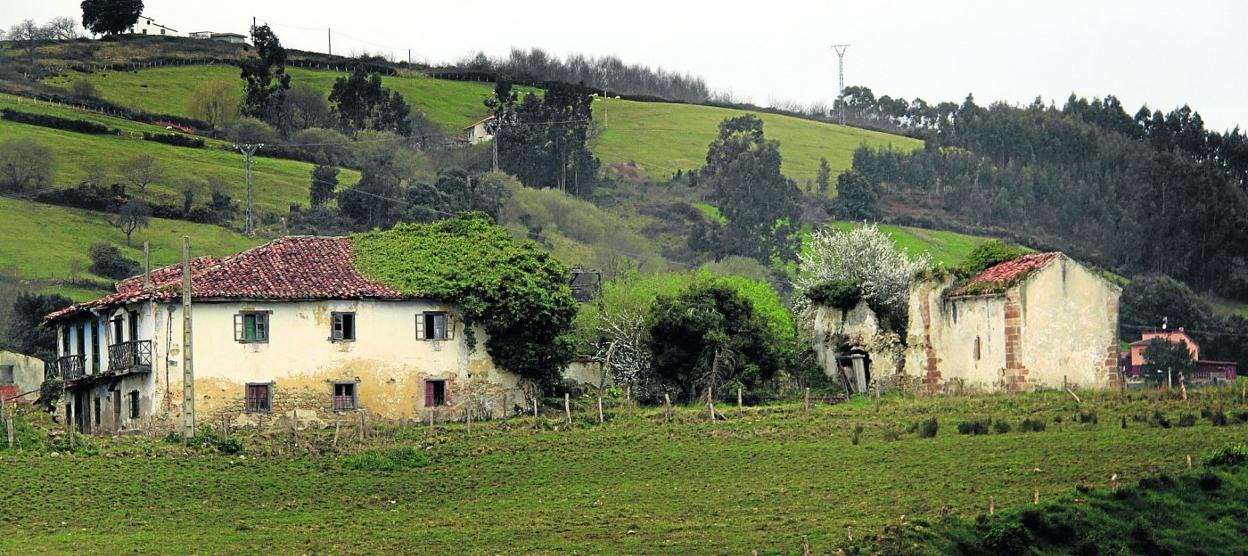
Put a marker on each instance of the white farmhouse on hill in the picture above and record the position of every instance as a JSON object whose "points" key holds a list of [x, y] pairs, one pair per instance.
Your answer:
{"points": [[290, 325], [479, 131], [148, 26]]}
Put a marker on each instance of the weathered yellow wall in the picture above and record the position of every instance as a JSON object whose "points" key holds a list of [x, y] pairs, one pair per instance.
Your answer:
{"points": [[301, 361], [956, 324], [1070, 320], [27, 373]]}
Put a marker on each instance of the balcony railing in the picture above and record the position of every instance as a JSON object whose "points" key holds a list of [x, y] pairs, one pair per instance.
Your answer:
{"points": [[132, 356], [71, 367]]}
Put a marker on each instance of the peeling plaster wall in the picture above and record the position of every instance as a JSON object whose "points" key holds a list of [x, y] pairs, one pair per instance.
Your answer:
{"points": [[1069, 326], [301, 361], [1061, 321], [860, 327], [27, 375]]}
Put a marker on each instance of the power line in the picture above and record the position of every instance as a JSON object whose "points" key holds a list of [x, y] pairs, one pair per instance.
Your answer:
{"points": [[1200, 332]]}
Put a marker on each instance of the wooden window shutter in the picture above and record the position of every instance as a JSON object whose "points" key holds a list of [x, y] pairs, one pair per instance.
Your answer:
{"points": [[428, 393], [420, 326], [238, 327], [336, 329], [450, 327]]}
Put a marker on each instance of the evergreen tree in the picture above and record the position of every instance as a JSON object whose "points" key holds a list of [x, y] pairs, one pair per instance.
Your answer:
{"points": [[824, 179], [543, 140], [265, 79], [359, 102], [760, 204], [324, 182]]}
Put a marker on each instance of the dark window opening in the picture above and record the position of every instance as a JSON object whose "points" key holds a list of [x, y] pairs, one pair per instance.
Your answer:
{"points": [[251, 327], [119, 325], [65, 331], [82, 339], [977, 348], [134, 404], [97, 411], [97, 359], [134, 327], [433, 326], [344, 396], [259, 398], [435, 393], [344, 326], [6, 374]]}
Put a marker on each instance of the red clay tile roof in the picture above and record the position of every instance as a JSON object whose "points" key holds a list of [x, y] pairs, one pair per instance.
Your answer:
{"points": [[298, 267], [999, 277]]}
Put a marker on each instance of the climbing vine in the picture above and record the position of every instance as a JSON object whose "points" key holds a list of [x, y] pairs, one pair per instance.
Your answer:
{"points": [[512, 288]]}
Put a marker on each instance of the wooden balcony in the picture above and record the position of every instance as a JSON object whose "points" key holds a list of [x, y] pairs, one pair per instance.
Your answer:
{"points": [[130, 357], [70, 367]]}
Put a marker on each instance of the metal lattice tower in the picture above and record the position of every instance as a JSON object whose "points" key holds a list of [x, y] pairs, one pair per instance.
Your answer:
{"points": [[840, 71]]}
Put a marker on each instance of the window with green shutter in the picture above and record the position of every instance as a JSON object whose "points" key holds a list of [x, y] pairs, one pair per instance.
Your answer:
{"points": [[251, 326]]}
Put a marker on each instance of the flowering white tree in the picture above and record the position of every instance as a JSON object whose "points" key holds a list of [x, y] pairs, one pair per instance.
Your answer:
{"points": [[863, 255]]}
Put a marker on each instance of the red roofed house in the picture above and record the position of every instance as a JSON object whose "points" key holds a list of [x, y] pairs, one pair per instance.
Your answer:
{"points": [[1136, 366], [290, 325], [1041, 320]]}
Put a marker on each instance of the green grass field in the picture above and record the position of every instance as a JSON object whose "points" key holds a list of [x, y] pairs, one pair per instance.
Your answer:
{"points": [[450, 104], [948, 248], [42, 241], [277, 183], [759, 481], [664, 137], [660, 137]]}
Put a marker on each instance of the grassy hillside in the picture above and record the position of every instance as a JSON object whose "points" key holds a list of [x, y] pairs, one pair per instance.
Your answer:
{"points": [[948, 248], [761, 480], [664, 137], [277, 183], [450, 104], [659, 137], [42, 242]]}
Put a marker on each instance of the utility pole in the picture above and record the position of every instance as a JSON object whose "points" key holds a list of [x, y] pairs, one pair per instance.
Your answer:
{"points": [[329, 38], [248, 149], [188, 373], [840, 71], [494, 142]]}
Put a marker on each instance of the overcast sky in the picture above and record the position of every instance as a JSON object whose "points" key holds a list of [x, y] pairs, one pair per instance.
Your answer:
{"points": [[1161, 53]]}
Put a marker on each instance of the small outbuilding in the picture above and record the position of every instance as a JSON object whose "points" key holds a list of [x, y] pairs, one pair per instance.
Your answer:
{"points": [[20, 376]]}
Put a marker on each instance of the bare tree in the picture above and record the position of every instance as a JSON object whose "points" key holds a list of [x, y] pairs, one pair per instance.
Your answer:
{"points": [[28, 35], [141, 171], [215, 102], [63, 29], [131, 216]]}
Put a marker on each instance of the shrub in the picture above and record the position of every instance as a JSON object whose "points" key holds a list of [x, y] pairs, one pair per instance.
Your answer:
{"points": [[80, 126], [1087, 417], [390, 459], [82, 88], [25, 164], [1218, 418], [176, 139], [1187, 420], [841, 294], [1001, 427], [974, 426], [1241, 417], [1032, 425], [1159, 419], [107, 261], [928, 428], [892, 435], [1228, 455]]}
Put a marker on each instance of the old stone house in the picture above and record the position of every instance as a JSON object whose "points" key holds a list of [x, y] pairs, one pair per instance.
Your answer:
{"points": [[287, 326], [1041, 320], [20, 376]]}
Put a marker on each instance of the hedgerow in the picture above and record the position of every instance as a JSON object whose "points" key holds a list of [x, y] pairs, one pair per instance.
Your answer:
{"points": [[513, 289], [80, 126]]}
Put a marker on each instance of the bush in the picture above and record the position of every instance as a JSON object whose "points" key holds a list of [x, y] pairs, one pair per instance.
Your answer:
{"points": [[82, 88], [251, 130], [391, 459], [1033, 425], [80, 126], [1087, 417], [1241, 417], [928, 428], [25, 164], [1218, 418], [841, 294], [176, 139], [1001, 427], [1187, 420], [1228, 455], [974, 426], [107, 261], [1159, 419]]}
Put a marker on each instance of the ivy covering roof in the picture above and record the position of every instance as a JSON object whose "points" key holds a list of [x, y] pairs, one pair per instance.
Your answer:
{"points": [[1002, 276]]}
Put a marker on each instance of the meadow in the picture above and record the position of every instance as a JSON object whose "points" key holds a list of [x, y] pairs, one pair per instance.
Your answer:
{"points": [[659, 137], [44, 242], [759, 480]]}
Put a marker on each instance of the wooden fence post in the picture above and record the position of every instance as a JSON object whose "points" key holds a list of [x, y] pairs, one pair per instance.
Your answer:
{"points": [[567, 406], [992, 505], [1035, 497], [601, 419], [667, 406], [807, 402], [1189, 462], [739, 404]]}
